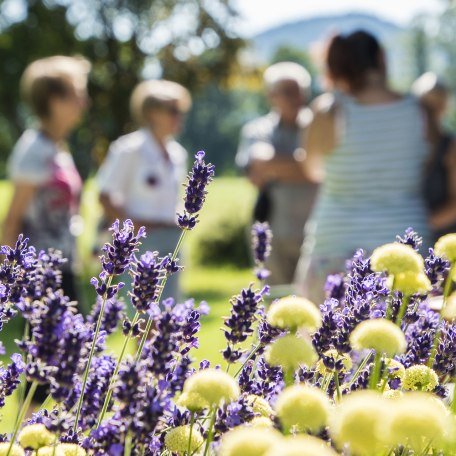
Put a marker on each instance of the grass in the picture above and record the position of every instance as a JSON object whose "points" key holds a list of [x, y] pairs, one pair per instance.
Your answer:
{"points": [[213, 284]]}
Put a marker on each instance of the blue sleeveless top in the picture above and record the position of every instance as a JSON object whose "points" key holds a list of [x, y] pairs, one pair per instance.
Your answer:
{"points": [[373, 184]]}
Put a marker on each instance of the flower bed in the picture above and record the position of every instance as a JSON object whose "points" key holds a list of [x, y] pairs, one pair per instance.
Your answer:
{"points": [[365, 373]]}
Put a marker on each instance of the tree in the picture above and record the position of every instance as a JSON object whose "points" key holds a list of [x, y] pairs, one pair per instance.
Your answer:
{"points": [[192, 42]]}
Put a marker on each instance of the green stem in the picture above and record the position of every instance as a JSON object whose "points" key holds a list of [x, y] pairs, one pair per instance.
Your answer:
{"points": [[389, 307], [47, 402], [374, 378], [192, 422], [89, 361], [446, 293], [116, 371], [127, 448], [289, 377], [23, 383], [251, 355], [336, 381], [150, 320], [210, 433], [402, 310], [453, 402], [22, 412], [361, 366]]}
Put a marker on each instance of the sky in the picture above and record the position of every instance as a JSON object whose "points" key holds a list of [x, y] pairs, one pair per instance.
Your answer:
{"points": [[259, 15]]}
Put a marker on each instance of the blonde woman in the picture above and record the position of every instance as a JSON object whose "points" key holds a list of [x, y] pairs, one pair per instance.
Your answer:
{"points": [[46, 182], [142, 175]]}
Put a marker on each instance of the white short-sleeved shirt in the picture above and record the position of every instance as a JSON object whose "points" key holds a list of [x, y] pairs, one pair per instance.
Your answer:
{"points": [[50, 217], [137, 175]]}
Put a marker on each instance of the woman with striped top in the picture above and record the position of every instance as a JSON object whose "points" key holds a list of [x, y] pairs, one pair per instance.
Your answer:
{"points": [[369, 145]]}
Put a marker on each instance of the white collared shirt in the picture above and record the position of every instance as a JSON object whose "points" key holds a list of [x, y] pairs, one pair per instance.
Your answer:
{"points": [[137, 176]]}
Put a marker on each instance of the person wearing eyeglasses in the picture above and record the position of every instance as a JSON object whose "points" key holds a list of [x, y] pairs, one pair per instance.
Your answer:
{"points": [[46, 183], [270, 153], [142, 174]]}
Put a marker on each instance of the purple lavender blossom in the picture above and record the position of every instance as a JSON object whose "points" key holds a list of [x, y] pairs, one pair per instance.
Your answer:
{"points": [[100, 374], [48, 324], [261, 248], [113, 313], [195, 191], [232, 415], [239, 324], [10, 377], [148, 273], [119, 254], [436, 268], [335, 286], [69, 351], [411, 238]]}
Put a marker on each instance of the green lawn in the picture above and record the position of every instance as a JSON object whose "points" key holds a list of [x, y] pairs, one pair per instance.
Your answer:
{"points": [[214, 284]]}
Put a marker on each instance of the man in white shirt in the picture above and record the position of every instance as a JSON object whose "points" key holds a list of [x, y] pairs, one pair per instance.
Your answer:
{"points": [[270, 152]]}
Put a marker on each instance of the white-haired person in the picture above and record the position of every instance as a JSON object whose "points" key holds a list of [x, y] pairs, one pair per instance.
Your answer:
{"points": [[46, 182], [440, 173], [142, 175], [270, 153]]}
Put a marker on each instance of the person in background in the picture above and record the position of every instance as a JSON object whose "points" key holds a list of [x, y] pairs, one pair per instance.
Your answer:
{"points": [[46, 182], [440, 174], [143, 172], [271, 155], [370, 144]]}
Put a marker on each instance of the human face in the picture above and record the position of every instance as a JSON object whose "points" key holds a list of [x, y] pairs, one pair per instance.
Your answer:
{"points": [[166, 119], [67, 111], [287, 98]]}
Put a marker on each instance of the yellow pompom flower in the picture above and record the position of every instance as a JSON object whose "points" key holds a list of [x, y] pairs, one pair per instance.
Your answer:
{"points": [[70, 449], [48, 451], [301, 445], [410, 283], [335, 355], [260, 405], [176, 440], [213, 386], [290, 352], [416, 420], [392, 394], [394, 368], [261, 422], [16, 450], [248, 441], [192, 401], [293, 312], [395, 258], [35, 436], [357, 422], [449, 311], [304, 408], [420, 378], [446, 247], [380, 335]]}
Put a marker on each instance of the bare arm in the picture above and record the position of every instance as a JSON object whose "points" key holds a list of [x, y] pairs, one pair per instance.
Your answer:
{"points": [[12, 226], [111, 210], [320, 139], [446, 215], [277, 169]]}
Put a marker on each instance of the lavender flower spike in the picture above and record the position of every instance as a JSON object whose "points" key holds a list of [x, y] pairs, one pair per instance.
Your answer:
{"points": [[261, 247], [199, 178]]}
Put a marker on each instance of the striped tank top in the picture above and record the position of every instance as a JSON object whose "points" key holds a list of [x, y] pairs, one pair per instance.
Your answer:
{"points": [[373, 185]]}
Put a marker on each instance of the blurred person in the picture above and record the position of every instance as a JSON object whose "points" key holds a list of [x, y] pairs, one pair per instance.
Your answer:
{"points": [[440, 174], [270, 152], [47, 185], [370, 144], [143, 173]]}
